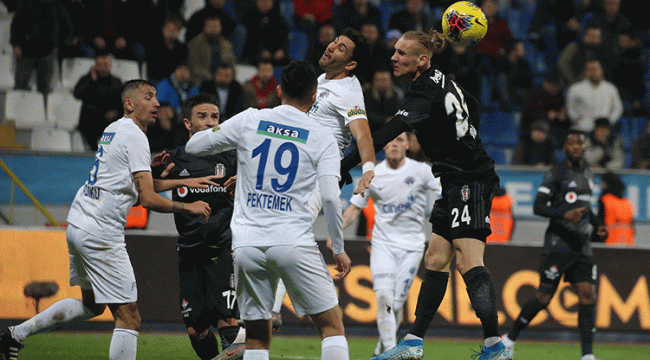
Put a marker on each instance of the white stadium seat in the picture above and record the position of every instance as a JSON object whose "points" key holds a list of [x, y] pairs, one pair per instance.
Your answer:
{"points": [[73, 69], [25, 108], [49, 139], [7, 71], [63, 110], [244, 72], [125, 70]]}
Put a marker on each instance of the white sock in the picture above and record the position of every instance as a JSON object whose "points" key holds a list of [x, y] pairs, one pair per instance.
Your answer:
{"points": [[491, 341], [334, 348], [386, 324], [124, 344], [410, 336], [280, 293], [241, 336], [256, 354], [507, 341], [60, 312]]}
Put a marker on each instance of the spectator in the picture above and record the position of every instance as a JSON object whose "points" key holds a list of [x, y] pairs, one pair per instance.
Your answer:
{"points": [[463, 67], [229, 92], [615, 211], [611, 21], [326, 34], [162, 133], [379, 55], [574, 56], [107, 29], [641, 150], [391, 38], [260, 91], [546, 101], [629, 74], [515, 76], [99, 92], [592, 98], [310, 15], [501, 221], [536, 147], [177, 87], [603, 148], [355, 13], [212, 8], [166, 52], [209, 49], [382, 101], [554, 24], [412, 17], [77, 17], [35, 36], [267, 34]]}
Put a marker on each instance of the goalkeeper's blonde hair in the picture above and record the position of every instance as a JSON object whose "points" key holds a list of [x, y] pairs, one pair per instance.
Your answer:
{"points": [[431, 42]]}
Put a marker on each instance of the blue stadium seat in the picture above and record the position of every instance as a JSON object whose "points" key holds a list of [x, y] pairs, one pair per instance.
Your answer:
{"points": [[498, 155], [298, 45], [499, 128]]}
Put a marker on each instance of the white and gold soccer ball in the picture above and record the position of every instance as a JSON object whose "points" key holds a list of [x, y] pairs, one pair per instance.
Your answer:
{"points": [[464, 23]]}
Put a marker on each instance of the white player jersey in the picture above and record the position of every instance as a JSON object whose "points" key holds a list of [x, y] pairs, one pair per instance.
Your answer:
{"points": [[102, 203], [338, 102], [400, 200], [280, 154]]}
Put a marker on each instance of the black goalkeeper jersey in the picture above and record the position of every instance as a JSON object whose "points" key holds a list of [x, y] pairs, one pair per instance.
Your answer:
{"points": [[193, 230], [563, 189]]}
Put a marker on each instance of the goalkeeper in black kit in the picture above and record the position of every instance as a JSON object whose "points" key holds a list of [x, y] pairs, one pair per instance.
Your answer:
{"points": [[205, 264]]}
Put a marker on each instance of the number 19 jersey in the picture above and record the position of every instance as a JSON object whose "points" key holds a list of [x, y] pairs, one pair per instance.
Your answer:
{"points": [[280, 154], [102, 203]]}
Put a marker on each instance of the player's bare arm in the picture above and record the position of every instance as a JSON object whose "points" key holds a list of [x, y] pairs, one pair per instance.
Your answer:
{"points": [[361, 132], [151, 200], [169, 184], [350, 214]]}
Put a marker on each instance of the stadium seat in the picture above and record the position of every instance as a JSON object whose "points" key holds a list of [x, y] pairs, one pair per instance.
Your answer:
{"points": [[7, 68], [25, 108], [63, 110], [49, 139], [499, 128], [298, 44], [190, 7], [287, 11], [73, 69], [499, 155], [125, 70], [244, 72], [5, 27]]}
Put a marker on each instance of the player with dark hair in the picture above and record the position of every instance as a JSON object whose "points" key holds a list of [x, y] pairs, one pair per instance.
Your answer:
{"points": [[207, 286], [445, 119], [565, 197], [281, 154], [99, 262]]}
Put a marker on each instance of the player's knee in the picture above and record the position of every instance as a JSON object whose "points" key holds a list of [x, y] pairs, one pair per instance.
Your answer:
{"points": [[197, 334], [436, 260]]}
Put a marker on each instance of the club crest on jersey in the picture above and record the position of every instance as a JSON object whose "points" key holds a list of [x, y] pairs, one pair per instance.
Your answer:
{"points": [[437, 76], [571, 197], [356, 111], [409, 180], [106, 138], [220, 170], [323, 94], [464, 193], [283, 131]]}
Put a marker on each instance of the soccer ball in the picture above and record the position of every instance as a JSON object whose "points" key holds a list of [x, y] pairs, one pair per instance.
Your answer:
{"points": [[464, 23]]}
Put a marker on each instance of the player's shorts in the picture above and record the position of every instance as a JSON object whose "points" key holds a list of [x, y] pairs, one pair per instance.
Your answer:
{"points": [[102, 266], [464, 209], [301, 268], [558, 259], [394, 269], [207, 287]]}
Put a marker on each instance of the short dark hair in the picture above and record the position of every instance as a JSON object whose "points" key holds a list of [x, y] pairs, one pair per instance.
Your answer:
{"points": [[198, 99], [298, 80], [361, 51], [132, 85]]}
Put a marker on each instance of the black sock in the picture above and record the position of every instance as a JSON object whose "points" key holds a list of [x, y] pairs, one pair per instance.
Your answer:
{"points": [[528, 313], [431, 294], [587, 327], [206, 348], [228, 335], [481, 294]]}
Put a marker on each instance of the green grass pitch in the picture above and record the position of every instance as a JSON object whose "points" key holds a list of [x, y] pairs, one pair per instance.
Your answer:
{"points": [[155, 346]]}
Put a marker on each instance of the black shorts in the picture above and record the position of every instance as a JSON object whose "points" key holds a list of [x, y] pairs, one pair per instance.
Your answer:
{"points": [[464, 209], [559, 259], [207, 288]]}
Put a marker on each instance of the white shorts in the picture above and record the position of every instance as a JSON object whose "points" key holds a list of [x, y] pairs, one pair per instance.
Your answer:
{"points": [[102, 266], [315, 203], [394, 269], [301, 268]]}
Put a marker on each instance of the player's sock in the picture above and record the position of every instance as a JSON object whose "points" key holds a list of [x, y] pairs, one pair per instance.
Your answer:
{"points": [[206, 348], [280, 293], [60, 312], [481, 294], [431, 294], [386, 324], [528, 313], [587, 326], [228, 335], [335, 348], [256, 354], [124, 345]]}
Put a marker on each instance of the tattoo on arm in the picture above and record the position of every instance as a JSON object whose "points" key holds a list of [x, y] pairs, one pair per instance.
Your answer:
{"points": [[137, 183], [178, 207]]}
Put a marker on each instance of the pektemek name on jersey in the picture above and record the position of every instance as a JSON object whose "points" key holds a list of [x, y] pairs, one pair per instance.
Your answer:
{"points": [[268, 201]]}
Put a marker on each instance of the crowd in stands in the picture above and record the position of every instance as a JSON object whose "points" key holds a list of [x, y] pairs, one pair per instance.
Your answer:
{"points": [[549, 65]]}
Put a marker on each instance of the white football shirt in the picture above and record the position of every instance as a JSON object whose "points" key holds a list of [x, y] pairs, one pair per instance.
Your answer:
{"points": [[400, 200], [338, 102], [280, 154], [102, 203]]}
